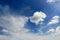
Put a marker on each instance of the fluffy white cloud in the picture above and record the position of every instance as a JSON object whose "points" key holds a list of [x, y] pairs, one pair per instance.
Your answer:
{"points": [[51, 30], [58, 30], [54, 20], [38, 17], [55, 31]]}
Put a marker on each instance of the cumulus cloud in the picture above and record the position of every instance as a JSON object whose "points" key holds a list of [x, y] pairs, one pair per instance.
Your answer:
{"points": [[51, 30], [54, 20], [38, 17], [58, 30]]}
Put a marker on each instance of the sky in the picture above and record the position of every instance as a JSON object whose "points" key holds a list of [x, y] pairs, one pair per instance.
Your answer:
{"points": [[29, 19]]}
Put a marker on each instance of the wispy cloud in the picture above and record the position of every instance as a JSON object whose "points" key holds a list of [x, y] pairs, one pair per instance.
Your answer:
{"points": [[51, 1]]}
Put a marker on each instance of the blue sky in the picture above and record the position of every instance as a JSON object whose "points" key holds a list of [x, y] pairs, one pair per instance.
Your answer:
{"points": [[29, 19]]}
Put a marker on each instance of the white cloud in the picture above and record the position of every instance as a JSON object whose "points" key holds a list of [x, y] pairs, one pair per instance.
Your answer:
{"points": [[51, 1], [5, 30], [55, 31], [54, 20], [38, 37], [4, 38], [58, 30], [13, 22], [51, 30], [38, 17], [56, 17], [27, 36]]}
